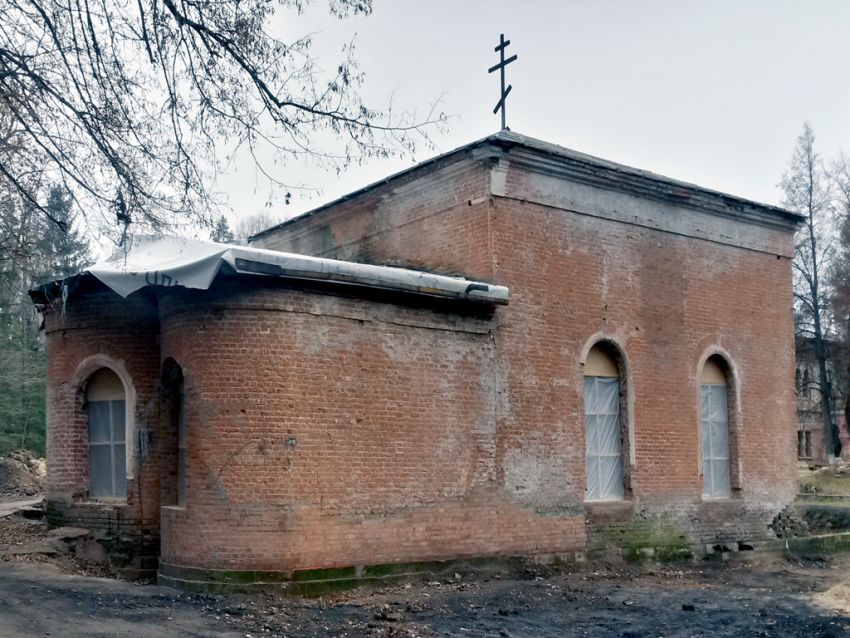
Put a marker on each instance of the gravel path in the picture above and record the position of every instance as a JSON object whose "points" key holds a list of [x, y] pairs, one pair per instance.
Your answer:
{"points": [[10, 506], [38, 600]]}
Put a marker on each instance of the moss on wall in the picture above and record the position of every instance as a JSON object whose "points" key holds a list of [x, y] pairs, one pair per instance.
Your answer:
{"points": [[655, 540]]}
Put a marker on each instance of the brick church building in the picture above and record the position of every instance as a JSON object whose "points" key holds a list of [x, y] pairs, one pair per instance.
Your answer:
{"points": [[512, 349]]}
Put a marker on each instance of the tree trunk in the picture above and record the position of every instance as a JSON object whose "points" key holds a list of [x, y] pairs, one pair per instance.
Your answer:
{"points": [[831, 440]]}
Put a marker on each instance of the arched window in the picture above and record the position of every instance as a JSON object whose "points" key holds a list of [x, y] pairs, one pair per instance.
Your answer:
{"points": [[106, 410], [714, 420], [602, 425]]}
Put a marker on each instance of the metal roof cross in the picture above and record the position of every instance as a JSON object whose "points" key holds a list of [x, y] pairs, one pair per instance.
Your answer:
{"points": [[500, 49]]}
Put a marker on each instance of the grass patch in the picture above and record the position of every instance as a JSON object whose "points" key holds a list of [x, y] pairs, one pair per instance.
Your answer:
{"points": [[824, 481]]}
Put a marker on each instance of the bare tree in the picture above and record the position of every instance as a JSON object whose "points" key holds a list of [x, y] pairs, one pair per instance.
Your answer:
{"points": [[253, 224], [840, 275], [130, 104], [808, 190]]}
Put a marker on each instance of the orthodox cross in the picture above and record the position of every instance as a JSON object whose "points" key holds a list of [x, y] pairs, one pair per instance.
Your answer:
{"points": [[500, 49]]}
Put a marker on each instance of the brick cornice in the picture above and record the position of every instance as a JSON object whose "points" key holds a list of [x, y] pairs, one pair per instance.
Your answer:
{"points": [[554, 161]]}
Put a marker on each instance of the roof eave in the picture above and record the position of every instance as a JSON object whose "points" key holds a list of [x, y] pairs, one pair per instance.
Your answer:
{"points": [[633, 179]]}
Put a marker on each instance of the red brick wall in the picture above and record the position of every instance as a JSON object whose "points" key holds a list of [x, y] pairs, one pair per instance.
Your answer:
{"points": [[668, 299], [330, 431], [123, 335], [436, 223]]}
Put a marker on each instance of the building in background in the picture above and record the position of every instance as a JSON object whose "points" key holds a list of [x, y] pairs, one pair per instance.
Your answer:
{"points": [[810, 428]]}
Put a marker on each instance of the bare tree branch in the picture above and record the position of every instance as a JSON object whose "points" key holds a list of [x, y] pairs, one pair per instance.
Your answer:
{"points": [[809, 190], [137, 98]]}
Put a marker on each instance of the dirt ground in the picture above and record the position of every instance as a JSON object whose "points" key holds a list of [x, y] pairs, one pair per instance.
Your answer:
{"points": [[60, 595], [21, 474], [768, 597], [774, 598]]}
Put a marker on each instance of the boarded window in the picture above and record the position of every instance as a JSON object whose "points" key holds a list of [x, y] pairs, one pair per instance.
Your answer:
{"points": [[714, 409], [106, 407], [181, 444], [602, 428]]}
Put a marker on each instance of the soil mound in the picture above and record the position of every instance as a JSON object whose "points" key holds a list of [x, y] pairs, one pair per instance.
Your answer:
{"points": [[22, 474]]}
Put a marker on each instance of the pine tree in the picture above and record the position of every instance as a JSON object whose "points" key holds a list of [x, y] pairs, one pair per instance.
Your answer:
{"points": [[61, 253], [32, 250], [222, 233]]}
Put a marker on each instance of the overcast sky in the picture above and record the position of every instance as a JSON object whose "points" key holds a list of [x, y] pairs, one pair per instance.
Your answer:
{"points": [[711, 92]]}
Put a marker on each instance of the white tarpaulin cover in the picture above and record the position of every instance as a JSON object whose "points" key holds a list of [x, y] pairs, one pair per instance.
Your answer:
{"points": [[604, 459], [715, 441], [193, 263]]}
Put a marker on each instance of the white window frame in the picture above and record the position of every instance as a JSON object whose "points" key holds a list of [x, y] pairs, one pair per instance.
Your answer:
{"points": [[597, 454], [113, 443], [86, 368], [716, 459]]}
